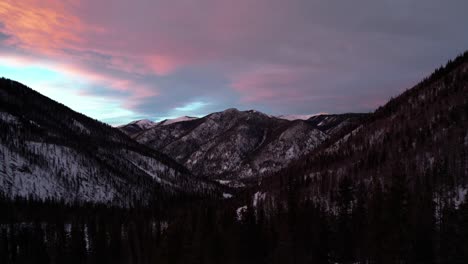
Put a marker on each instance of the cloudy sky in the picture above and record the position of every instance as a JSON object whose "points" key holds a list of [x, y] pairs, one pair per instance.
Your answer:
{"points": [[120, 60]]}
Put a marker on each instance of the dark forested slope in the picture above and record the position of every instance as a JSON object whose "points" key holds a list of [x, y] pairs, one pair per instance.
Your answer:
{"points": [[49, 151]]}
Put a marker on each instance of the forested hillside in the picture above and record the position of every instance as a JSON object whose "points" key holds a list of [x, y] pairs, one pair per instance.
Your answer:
{"points": [[392, 190], [48, 151]]}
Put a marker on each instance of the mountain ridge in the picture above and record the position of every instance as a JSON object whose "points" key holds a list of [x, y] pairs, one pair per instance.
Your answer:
{"points": [[256, 142], [420, 137], [51, 152]]}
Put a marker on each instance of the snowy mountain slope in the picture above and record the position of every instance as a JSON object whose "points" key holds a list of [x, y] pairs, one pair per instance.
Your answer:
{"points": [[144, 123], [298, 117], [176, 120], [235, 144], [52, 171], [334, 124], [137, 126], [49, 151], [417, 138]]}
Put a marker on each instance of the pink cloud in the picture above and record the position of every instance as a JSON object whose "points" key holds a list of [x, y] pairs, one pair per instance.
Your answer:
{"points": [[162, 65], [264, 50], [160, 37], [123, 85]]}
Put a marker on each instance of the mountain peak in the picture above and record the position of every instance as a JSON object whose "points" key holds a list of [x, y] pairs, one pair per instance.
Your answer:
{"points": [[143, 123], [231, 110]]}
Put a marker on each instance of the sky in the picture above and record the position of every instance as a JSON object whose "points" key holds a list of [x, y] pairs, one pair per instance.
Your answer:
{"points": [[122, 60]]}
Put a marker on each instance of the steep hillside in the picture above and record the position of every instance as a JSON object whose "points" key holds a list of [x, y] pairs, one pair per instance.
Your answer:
{"points": [[418, 139], [49, 151], [336, 124]]}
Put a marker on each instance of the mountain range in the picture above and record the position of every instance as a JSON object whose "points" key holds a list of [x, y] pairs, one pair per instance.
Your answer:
{"points": [[49, 151], [233, 145]]}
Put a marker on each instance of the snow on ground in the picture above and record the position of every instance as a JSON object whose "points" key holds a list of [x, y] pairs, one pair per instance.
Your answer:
{"points": [[143, 124], [149, 165], [227, 195], [232, 184], [240, 212], [81, 127], [343, 140], [55, 172], [298, 117], [258, 197], [460, 195], [8, 118], [224, 182], [177, 120]]}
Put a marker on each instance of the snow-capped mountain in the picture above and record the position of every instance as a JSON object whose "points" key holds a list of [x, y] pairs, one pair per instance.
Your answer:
{"points": [[49, 151], [166, 122], [138, 126], [235, 144], [298, 117], [144, 123]]}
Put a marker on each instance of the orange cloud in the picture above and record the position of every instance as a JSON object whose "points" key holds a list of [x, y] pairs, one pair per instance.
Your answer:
{"points": [[38, 28], [47, 28], [53, 28]]}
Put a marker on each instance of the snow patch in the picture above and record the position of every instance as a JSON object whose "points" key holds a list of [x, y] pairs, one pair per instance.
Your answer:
{"points": [[227, 195], [8, 118], [258, 197], [298, 117], [223, 182], [81, 127], [460, 196], [232, 184], [176, 120], [240, 212]]}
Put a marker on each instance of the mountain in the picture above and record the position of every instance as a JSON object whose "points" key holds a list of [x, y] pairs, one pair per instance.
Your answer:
{"points": [[48, 151], [233, 144], [385, 187], [137, 126], [417, 141], [393, 189], [166, 122]]}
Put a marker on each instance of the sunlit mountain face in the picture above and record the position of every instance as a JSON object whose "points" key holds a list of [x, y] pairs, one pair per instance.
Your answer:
{"points": [[119, 61]]}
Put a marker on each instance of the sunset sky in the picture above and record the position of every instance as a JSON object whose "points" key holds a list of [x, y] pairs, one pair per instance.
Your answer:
{"points": [[123, 60]]}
